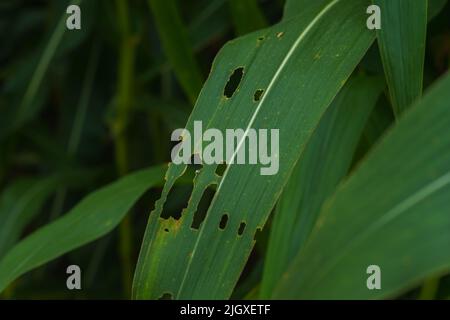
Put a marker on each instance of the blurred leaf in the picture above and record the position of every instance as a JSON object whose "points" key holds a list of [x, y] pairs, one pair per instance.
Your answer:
{"points": [[176, 45], [402, 40], [93, 217], [291, 63], [334, 143], [19, 203], [30, 103], [23, 200], [246, 16], [435, 7], [210, 23], [392, 212]]}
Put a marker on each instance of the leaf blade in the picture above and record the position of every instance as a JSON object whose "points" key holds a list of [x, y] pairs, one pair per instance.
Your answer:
{"points": [[402, 40], [367, 226], [78, 227], [334, 143]]}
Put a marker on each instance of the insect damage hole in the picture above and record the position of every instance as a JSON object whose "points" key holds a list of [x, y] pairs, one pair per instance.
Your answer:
{"points": [[202, 208], [178, 198], [195, 162], [221, 169], [233, 82], [223, 222], [241, 228], [258, 95]]}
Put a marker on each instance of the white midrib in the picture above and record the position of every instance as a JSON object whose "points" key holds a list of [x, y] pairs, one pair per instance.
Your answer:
{"points": [[255, 114]]}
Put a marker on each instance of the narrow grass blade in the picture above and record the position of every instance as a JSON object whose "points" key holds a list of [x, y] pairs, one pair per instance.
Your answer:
{"points": [[246, 15], [174, 38], [23, 112]]}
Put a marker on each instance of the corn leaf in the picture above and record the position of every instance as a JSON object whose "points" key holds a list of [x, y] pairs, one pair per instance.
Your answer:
{"points": [[93, 217], [323, 164], [246, 16], [28, 80], [392, 212], [402, 40], [23, 200], [174, 38], [435, 7], [297, 66]]}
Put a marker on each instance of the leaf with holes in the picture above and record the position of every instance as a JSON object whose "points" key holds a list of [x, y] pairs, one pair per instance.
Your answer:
{"points": [[283, 77]]}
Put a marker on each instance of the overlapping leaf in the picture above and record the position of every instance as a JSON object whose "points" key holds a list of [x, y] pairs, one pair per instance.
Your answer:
{"points": [[392, 212], [325, 161]]}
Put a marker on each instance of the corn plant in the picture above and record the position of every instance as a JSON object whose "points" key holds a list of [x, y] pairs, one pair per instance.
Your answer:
{"points": [[363, 168]]}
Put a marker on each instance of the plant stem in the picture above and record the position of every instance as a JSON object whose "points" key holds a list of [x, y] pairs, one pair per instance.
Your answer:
{"points": [[124, 105]]}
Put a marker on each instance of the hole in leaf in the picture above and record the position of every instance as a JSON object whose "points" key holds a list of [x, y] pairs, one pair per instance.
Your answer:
{"points": [[280, 35], [221, 169], [258, 95], [166, 230], [166, 296], [223, 222], [195, 162], [202, 208], [178, 198], [233, 82], [262, 38], [241, 228]]}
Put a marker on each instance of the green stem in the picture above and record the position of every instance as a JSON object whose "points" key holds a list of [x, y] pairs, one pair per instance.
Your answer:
{"points": [[124, 105]]}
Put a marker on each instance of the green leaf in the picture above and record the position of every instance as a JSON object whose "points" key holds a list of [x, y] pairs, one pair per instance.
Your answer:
{"points": [[392, 212], [210, 23], [402, 40], [23, 200], [325, 161], [246, 16], [33, 72], [435, 7], [93, 217], [174, 38], [300, 65], [19, 203], [294, 7]]}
